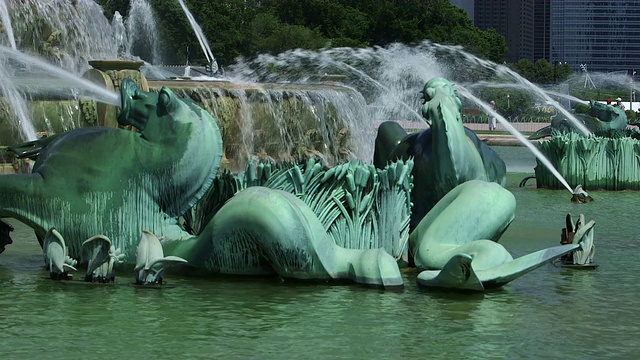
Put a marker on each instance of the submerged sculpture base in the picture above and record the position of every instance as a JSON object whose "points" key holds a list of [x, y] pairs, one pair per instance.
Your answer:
{"points": [[571, 265]]}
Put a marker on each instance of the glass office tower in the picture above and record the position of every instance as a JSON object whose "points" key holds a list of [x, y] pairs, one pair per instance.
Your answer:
{"points": [[603, 35]]}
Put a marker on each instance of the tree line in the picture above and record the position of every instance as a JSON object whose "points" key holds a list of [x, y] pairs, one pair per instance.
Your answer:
{"points": [[246, 28]]}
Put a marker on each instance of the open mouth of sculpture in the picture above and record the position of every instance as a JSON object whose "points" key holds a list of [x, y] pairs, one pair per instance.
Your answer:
{"points": [[135, 105], [128, 90]]}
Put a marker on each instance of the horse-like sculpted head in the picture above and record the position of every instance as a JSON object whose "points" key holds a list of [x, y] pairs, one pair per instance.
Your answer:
{"points": [[85, 178], [440, 92], [182, 133], [153, 114], [613, 115]]}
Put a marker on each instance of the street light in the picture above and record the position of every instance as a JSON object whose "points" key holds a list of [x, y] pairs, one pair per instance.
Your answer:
{"points": [[633, 72], [508, 103]]}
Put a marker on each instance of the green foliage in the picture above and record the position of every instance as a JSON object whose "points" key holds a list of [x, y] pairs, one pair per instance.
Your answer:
{"points": [[582, 109], [509, 102], [524, 67], [269, 35], [543, 72], [631, 115], [563, 72], [250, 27]]}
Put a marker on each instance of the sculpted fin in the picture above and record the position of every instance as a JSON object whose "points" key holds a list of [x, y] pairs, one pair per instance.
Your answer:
{"points": [[456, 274], [509, 271], [150, 261], [55, 255]]}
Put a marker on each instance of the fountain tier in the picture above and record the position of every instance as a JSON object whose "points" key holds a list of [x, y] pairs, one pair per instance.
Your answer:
{"points": [[276, 121]]}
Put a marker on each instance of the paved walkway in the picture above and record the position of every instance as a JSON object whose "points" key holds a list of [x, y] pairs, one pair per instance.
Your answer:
{"points": [[489, 139], [520, 126]]}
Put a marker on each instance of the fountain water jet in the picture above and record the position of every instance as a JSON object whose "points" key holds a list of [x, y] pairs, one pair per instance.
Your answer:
{"points": [[503, 70], [6, 21], [200, 35], [486, 84], [88, 89], [568, 97], [486, 107], [142, 31]]}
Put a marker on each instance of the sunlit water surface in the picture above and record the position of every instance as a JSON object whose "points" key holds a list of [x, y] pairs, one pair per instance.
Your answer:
{"points": [[548, 313]]}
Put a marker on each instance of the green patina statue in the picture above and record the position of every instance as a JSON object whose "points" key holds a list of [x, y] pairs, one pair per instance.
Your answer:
{"points": [[298, 221], [601, 119], [462, 207], [446, 155], [606, 160], [122, 183], [114, 182]]}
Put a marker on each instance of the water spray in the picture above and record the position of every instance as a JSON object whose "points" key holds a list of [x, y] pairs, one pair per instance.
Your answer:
{"points": [[486, 107]]}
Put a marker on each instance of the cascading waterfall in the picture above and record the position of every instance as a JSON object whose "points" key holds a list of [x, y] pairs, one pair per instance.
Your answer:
{"points": [[389, 85], [13, 97], [65, 32], [70, 33], [17, 103], [6, 22], [282, 124]]}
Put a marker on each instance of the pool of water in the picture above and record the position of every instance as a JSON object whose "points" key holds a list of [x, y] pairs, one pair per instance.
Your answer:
{"points": [[548, 313]]}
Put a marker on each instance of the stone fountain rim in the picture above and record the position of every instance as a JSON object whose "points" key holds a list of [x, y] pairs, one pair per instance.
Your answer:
{"points": [[115, 64]]}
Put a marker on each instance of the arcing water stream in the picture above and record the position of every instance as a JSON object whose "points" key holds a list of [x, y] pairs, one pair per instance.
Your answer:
{"points": [[87, 88], [388, 78], [199, 34], [505, 71], [486, 107], [6, 21]]}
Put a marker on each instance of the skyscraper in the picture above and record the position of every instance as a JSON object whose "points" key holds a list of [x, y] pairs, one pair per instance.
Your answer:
{"points": [[603, 35], [466, 5], [513, 19], [541, 30]]}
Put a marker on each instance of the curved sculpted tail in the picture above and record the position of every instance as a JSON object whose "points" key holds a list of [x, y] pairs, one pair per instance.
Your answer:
{"points": [[20, 197], [261, 231]]}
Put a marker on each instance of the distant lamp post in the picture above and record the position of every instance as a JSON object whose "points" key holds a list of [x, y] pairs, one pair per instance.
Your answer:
{"points": [[508, 103], [555, 69], [631, 92]]}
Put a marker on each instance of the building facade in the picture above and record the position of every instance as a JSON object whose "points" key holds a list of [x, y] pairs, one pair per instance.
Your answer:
{"points": [[466, 5], [513, 19], [602, 35], [541, 30]]}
